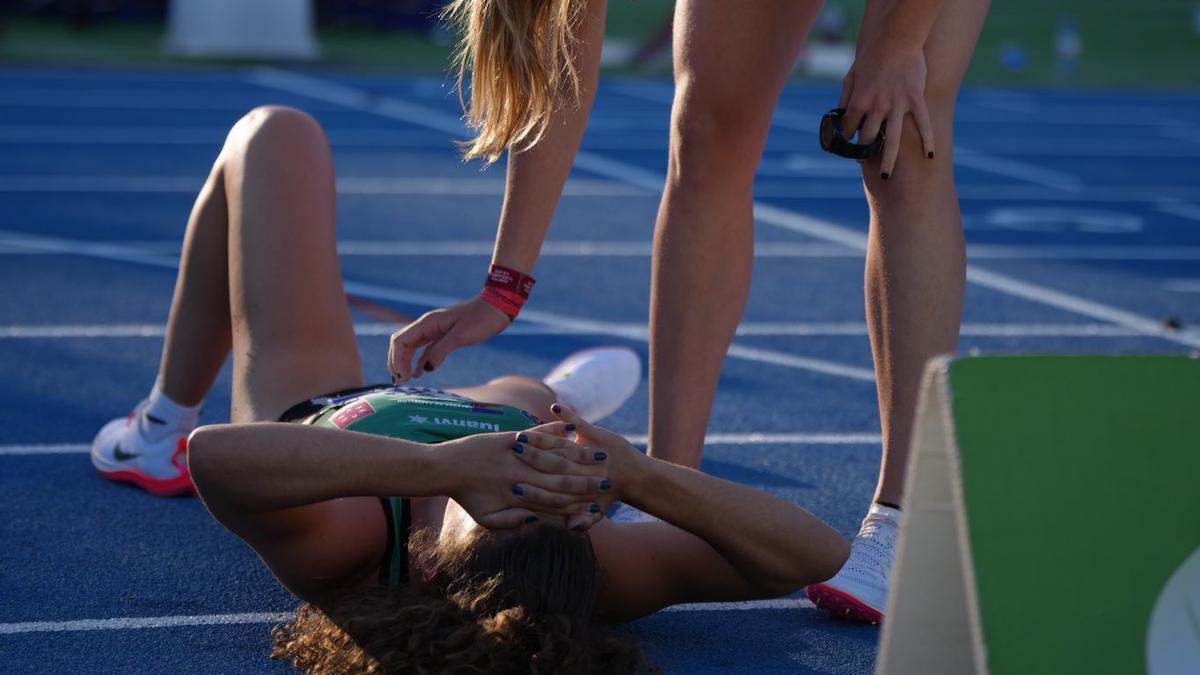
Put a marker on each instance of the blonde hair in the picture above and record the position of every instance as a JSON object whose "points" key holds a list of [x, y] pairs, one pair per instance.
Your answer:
{"points": [[519, 56]]}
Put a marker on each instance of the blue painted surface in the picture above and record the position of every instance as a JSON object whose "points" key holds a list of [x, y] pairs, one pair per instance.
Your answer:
{"points": [[78, 547]]}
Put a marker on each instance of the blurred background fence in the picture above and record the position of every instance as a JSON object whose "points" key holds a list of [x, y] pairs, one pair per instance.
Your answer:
{"points": [[1025, 42]]}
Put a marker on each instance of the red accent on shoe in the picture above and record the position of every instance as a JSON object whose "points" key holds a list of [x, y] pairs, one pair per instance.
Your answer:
{"points": [[162, 487], [842, 604]]}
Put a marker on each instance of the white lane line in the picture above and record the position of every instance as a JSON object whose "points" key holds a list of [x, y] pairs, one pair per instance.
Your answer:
{"points": [[752, 605], [363, 186], [1183, 285], [750, 438], [1181, 209], [747, 329], [821, 190], [186, 620], [988, 279], [1009, 168], [11, 244], [766, 213], [138, 622], [1012, 168], [377, 292], [44, 449], [624, 331]]}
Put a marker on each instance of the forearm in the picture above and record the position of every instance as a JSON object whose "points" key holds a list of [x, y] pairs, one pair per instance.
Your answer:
{"points": [[536, 175], [270, 466], [899, 23], [774, 544]]}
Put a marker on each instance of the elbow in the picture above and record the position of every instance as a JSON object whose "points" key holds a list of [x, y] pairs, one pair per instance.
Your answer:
{"points": [[814, 565], [831, 559]]}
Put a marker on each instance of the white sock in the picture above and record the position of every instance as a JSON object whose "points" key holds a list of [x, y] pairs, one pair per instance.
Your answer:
{"points": [[164, 416], [889, 512]]}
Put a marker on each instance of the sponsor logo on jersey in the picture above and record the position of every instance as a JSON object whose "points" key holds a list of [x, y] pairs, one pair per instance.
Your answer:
{"points": [[466, 424], [351, 413]]}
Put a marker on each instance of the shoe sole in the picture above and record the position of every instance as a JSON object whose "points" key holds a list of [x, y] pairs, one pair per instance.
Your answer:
{"points": [[172, 487], [842, 604]]}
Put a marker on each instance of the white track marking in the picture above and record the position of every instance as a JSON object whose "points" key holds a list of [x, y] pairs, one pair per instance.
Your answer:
{"points": [[377, 292], [778, 439], [747, 329], [1018, 170], [486, 187], [366, 186], [187, 620], [45, 449], [11, 244], [1183, 285], [988, 279], [136, 622], [781, 603], [1009, 168], [751, 438], [1181, 209], [624, 331]]}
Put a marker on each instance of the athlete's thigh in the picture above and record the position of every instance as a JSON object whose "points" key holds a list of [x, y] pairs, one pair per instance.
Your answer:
{"points": [[738, 53], [949, 47], [292, 333], [948, 51]]}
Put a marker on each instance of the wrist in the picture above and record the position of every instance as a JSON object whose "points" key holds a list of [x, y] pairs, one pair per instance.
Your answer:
{"points": [[438, 463], [639, 479], [506, 289]]}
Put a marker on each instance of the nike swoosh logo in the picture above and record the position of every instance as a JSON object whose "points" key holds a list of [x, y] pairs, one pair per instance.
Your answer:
{"points": [[122, 456], [154, 419]]}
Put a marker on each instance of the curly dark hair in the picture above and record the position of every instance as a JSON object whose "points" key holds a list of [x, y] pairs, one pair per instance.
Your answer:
{"points": [[520, 601]]}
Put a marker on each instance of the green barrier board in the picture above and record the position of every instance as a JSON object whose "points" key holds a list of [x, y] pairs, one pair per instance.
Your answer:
{"points": [[1051, 519]]}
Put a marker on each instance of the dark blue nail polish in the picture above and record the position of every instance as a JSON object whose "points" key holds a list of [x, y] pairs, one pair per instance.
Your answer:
{"points": [[578, 528], [518, 448], [428, 367], [605, 484], [522, 438], [884, 175], [930, 155], [556, 408], [518, 490], [569, 427], [594, 508], [531, 519], [600, 455]]}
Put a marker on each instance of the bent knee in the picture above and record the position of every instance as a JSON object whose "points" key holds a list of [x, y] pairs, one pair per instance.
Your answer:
{"points": [[276, 123]]}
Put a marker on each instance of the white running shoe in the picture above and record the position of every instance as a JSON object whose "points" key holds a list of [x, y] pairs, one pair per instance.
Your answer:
{"points": [[136, 450], [596, 382], [859, 590]]}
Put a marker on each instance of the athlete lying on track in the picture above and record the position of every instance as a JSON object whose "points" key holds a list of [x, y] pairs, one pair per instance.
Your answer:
{"points": [[422, 529]]}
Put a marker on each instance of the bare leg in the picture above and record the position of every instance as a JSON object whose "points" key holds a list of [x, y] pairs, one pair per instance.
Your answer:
{"points": [[292, 333], [259, 270], [916, 261], [198, 333], [518, 391], [731, 60]]}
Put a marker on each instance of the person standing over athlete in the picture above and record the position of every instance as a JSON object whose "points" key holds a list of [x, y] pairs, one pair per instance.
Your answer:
{"points": [[534, 67]]}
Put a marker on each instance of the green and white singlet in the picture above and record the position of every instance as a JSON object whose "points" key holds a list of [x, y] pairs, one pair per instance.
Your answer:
{"points": [[415, 414]]}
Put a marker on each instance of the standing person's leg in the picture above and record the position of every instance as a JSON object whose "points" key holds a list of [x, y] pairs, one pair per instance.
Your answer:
{"points": [[731, 60], [915, 277]]}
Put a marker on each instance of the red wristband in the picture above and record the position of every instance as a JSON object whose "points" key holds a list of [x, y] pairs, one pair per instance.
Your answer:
{"points": [[506, 289]]}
